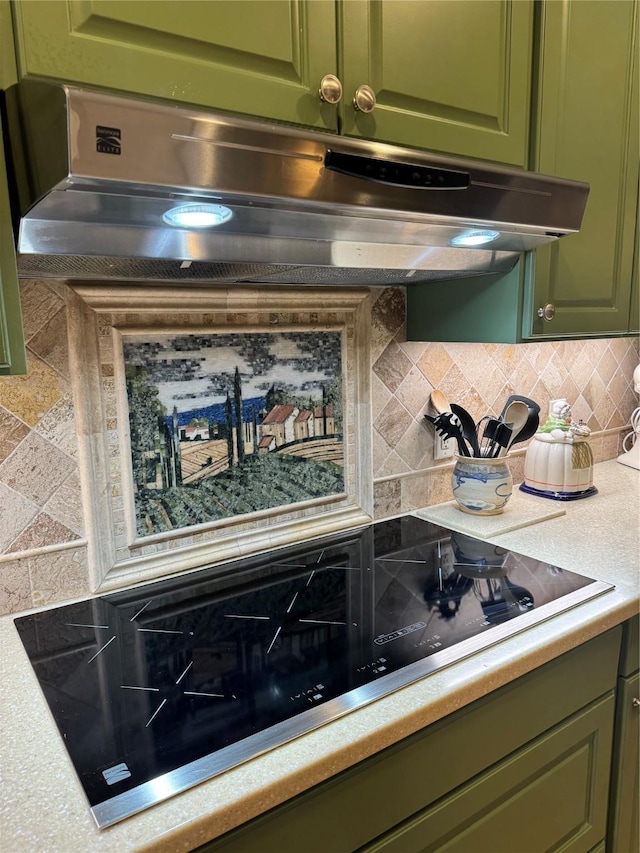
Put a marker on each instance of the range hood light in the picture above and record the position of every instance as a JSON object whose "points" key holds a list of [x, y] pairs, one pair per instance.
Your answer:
{"points": [[474, 238], [194, 215]]}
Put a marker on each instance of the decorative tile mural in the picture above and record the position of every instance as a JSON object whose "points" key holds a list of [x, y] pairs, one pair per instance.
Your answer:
{"points": [[214, 423], [221, 425]]}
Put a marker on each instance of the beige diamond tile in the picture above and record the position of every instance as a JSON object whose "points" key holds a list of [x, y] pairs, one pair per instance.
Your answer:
{"points": [[50, 343], [603, 410], [594, 391], [629, 362], [538, 355], [581, 410], [553, 376], [415, 493], [392, 366], [414, 393], [473, 403], [592, 350], [618, 347], [435, 363], [472, 361], [392, 422], [581, 372], [440, 486], [524, 376], [380, 396], [569, 390], [541, 395], [607, 367], [59, 575], [416, 446], [12, 431], [59, 426], [454, 384], [414, 350], [16, 513], [15, 586], [394, 465], [569, 352], [39, 304], [386, 499], [30, 397], [36, 469], [41, 532], [65, 505]]}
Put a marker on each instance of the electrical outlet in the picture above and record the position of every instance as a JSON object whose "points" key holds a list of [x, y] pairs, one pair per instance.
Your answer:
{"points": [[443, 448]]}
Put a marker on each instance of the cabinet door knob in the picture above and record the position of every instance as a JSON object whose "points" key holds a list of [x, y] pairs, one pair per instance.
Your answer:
{"points": [[635, 702], [330, 89], [548, 312], [364, 99]]}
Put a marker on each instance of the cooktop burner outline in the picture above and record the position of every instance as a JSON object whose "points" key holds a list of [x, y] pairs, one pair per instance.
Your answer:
{"points": [[158, 688]]}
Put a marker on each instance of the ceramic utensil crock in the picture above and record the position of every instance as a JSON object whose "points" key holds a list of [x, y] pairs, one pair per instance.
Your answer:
{"points": [[481, 486]]}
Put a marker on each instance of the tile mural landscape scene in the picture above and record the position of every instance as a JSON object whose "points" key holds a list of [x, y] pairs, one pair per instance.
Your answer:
{"points": [[227, 424]]}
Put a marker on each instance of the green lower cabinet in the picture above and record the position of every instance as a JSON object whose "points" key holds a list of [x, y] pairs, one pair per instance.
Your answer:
{"points": [[624, 809], [625, 794], [525, 768], [550, 795]]}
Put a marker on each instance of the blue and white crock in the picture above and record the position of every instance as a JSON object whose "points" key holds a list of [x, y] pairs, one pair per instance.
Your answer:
{"points": [[481, 486]]}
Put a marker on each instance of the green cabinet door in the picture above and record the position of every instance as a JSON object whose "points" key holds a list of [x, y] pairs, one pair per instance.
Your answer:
{"points": [[624, 818], [450, 77], [551, 795], [588, 130], [259, 57], [12, 354]]}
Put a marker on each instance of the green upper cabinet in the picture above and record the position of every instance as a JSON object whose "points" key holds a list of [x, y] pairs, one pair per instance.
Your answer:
{"points": [[259, 57], [450, 77], [585, 127], [588, 130], [12, 353]]}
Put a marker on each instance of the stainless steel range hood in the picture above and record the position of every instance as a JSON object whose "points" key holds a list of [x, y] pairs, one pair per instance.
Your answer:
{"points": [[105, 173]]}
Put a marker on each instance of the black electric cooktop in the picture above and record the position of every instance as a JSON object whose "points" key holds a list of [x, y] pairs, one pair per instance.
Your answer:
{"points": [[157, 688]]}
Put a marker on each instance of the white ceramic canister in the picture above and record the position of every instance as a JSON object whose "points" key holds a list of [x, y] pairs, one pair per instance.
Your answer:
{"points": [[481, 486], [559, 460]]}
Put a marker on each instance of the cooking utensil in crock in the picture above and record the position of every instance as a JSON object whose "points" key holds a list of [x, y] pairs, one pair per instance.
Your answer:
{"points": [[533, 421], [517, 414], [468, 428], [496, 435], [440, 402], [531, 404], [448, 426]]}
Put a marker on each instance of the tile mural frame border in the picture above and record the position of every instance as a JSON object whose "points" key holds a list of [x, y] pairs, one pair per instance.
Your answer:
{"points": [[98, 314]]}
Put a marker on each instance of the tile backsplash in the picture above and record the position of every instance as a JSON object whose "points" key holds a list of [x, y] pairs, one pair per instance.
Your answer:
{"points": [[43, 554]]}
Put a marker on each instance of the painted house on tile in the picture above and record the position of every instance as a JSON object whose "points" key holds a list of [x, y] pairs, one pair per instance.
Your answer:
{"points": [[279, 423], [303, 425], [323, 420]]}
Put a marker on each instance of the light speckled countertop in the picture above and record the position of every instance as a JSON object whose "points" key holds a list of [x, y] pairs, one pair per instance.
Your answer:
{"points": [[43, 808]]}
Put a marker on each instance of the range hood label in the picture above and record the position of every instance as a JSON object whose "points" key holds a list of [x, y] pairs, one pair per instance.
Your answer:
{"points": [[108, 139]]}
